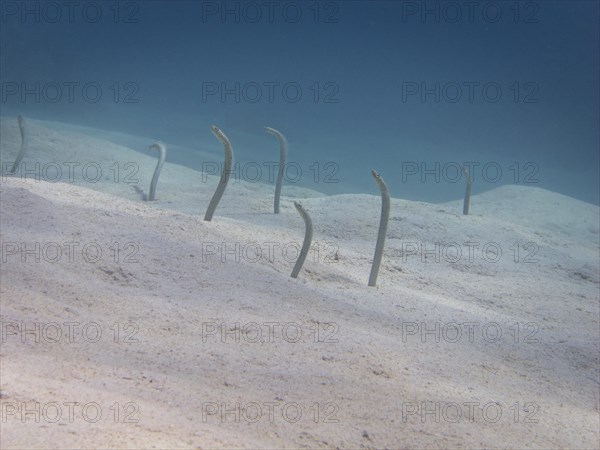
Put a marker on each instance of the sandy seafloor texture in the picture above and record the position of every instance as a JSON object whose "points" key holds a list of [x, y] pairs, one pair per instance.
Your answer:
{"points": [[206, 341]]}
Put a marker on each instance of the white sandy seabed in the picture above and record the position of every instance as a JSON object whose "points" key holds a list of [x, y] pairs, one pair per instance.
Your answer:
{"points": [[138, 325]]}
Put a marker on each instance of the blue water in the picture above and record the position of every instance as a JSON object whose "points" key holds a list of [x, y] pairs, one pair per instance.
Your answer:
{"points": [[411, 89]]}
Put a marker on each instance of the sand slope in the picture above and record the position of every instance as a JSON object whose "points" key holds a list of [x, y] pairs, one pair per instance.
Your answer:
{"points": [[351, 358]]}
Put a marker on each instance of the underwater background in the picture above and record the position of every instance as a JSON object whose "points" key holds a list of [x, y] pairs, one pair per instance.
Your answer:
{"points": [[412, 89]]}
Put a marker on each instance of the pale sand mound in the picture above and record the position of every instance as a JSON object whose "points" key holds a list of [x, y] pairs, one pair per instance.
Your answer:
{"points": [[177, 279]]}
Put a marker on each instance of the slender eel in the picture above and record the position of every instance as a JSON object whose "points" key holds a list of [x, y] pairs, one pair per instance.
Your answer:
{"points": [[467, 191], [308, 233], [162, 148], [282, 155], [21, 121], [383, 223], [225, 173]]}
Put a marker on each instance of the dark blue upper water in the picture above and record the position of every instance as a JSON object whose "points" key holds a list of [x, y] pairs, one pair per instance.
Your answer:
{"points": [[411, 89]]}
